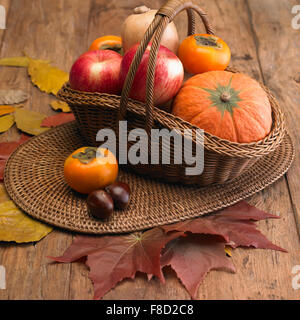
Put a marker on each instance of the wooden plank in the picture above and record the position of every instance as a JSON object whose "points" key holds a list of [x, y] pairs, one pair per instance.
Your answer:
{"points": [[261, 274], [281, 73], [282, 70], [53, 30]]}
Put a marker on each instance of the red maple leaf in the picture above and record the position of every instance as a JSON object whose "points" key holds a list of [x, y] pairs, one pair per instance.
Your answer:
{"points": [[193, 256], [114, 258], [2, 166], [192, 248], [57, 119], [7, 148], [235, 224]]}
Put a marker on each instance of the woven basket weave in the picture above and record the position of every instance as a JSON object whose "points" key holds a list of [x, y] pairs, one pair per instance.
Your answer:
{"points": [[224, 160], [34, 179]]}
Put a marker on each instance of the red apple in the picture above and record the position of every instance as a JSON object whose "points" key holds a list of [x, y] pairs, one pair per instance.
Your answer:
{"points": [[97, 71], [168, 75]]}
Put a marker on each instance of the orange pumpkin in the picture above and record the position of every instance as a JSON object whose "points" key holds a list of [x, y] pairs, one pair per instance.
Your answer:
{"points": [[229, 105]]}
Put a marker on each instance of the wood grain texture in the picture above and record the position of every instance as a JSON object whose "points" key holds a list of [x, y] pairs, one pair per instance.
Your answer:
{"points": [[263, 45], [54, 31], [281, 70]]}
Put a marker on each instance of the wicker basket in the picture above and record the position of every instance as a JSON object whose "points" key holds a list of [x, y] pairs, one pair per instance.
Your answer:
{"points": [[224, 160]]}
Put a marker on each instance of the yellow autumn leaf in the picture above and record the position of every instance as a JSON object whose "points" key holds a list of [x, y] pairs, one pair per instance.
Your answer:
{"points": [[6, 110], [17, 61], [3, 194], [60, 105], [30, 121], [46, 77], [6, 122], [16, 226]]}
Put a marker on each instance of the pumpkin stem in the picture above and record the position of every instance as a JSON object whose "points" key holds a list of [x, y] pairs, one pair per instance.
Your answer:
{"points": [[225, 97]]}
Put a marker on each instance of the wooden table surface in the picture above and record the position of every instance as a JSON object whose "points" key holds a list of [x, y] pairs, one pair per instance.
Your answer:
{"points": [[263, 44]]}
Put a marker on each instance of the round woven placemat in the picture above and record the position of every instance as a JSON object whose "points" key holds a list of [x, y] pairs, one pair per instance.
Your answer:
{"points": [[35, 182]]}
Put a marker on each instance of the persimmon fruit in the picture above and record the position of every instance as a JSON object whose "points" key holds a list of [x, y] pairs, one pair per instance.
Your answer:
{"points": [[107, 43], [88, 169], [204, 52]]}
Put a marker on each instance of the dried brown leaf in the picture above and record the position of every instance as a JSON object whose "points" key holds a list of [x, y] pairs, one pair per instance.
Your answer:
{"points": [[12, 96]]}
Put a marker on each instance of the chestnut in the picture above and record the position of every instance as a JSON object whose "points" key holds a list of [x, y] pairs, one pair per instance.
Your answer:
{"points": [[100, 204], [120, 193]]}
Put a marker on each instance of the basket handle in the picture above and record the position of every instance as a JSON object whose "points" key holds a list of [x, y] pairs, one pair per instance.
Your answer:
{"points": [[163, 17]]}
